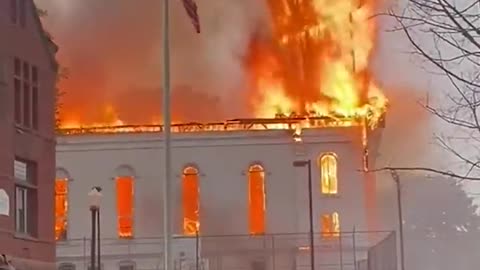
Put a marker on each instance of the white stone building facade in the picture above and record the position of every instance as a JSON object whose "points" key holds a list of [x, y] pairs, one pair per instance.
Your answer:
{"points": [[222, 160]]}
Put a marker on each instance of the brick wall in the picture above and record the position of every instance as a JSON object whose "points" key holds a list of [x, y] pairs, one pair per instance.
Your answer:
{"points": [[34, 144]]}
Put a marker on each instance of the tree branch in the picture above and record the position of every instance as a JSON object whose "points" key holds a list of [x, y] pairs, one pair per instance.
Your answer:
{"points": [[424, 169]]}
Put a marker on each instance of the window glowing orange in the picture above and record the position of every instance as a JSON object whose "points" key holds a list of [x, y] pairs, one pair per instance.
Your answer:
{"points": [[330, 225], [256, 199], [190, 196], [125, 197], [61, 208], [328, 171]]}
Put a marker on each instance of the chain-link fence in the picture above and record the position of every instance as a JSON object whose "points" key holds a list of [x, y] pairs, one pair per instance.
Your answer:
{"points": [[342, 251]]}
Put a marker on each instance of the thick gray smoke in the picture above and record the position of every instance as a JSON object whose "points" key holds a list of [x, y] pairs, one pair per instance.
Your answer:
{"points": [[112, 49], [407, 138]]}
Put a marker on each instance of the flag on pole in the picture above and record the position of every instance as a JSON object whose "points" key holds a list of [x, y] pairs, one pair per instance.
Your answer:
{"points": [[191, 8]]}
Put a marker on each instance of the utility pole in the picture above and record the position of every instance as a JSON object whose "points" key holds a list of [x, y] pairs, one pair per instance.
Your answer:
{"points": [[167, 246]]}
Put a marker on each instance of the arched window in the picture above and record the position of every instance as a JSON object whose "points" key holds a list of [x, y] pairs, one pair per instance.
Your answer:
{"points": [[330, 225], [190, 201], [61, 204], [61, 208], [327, 164], [256, 199], [125, 193]]}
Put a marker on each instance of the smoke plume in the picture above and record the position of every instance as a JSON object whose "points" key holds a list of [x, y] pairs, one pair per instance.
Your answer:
{"points": [[406, 140], [112, 50]]}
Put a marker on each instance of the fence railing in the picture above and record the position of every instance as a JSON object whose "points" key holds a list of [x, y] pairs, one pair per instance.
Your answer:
{"points": [[343, 251]]}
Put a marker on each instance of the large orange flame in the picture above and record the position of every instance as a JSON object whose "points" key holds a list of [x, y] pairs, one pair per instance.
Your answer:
{"points": [[316, 62], [313, 65]]}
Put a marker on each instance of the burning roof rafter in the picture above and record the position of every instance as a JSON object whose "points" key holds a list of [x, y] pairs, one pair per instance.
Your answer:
{"points": [[278, 123]]}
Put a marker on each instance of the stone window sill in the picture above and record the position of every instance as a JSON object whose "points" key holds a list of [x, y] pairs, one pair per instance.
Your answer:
{"points": [[25, 237]]}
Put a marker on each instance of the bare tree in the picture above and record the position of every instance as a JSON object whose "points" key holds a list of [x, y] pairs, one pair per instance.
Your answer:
{"points": [[446, 35]]}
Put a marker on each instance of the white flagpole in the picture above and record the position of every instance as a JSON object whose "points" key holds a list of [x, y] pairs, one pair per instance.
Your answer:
{"points": [[167, 236]]}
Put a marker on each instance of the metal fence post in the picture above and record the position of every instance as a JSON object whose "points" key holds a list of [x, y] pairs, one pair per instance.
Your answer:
{"points": [[340, 249], [273, 252], [129, 247], [354, 250], [196, 250], [84, 252]]}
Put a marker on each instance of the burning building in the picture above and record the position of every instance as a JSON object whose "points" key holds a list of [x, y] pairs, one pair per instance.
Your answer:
{"points": [[238, 198], [233, 179]]}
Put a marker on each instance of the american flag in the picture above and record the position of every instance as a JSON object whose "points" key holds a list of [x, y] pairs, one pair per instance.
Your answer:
{"points": [[191, 8]]}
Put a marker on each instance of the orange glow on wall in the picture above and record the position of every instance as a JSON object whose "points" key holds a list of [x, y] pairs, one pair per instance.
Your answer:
{"points": [[190, 196], [61, 208], [330, 225], [256, 199], [125, 197], [328, 171]]}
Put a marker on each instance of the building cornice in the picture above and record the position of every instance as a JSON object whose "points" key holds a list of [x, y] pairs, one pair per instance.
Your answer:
{"points": [[188, 140]]}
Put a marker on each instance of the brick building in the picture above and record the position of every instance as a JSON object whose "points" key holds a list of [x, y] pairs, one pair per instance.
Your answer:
{"points": [[27, 137]]}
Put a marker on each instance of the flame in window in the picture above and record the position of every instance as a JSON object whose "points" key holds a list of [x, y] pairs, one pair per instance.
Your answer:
{"points": [[328, 172], [330, 225], [256, 199], [190, 196], [61, 208], [125, 197]]}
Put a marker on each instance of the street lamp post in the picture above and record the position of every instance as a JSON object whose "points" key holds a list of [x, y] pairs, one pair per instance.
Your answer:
{"points": [[396, 178], [99, 254], [308, 164], [94, 197]]}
